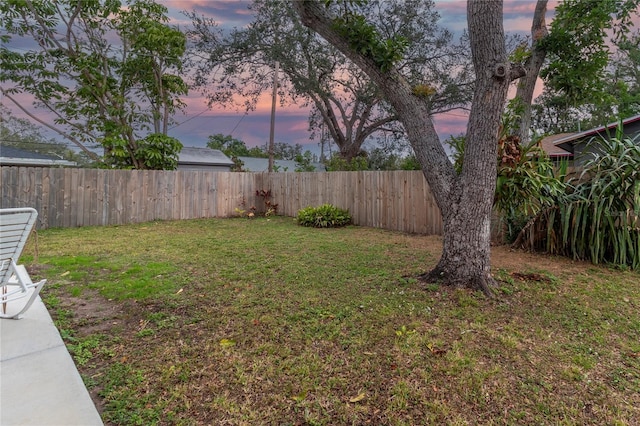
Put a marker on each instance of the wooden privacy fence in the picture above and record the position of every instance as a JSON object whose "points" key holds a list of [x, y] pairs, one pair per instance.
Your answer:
{"points": [[395, 200]]}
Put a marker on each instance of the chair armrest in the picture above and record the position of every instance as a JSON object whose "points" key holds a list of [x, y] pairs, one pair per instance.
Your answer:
{"points": [[20, 276]]}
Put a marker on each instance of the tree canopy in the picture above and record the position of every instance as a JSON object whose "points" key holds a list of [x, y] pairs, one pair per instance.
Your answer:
{"points": [[573, 56], [626, 75], [231, 146], [345, 103], [108, 72]]}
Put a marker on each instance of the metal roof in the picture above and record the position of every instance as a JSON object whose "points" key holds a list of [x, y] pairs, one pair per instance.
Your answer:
{"points": [[11, 156], [203, 156], [255, 164]]}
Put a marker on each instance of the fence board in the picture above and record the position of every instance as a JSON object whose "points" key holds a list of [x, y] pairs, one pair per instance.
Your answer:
{"points": [[43, 212], [398, 200], [99, 198]]}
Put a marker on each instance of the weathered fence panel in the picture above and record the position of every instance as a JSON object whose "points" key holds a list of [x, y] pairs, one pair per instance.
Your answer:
{"points": [[396, 200]]}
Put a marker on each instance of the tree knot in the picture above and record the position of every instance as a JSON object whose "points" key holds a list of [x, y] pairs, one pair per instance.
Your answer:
{"points": [[512, 71], [500, 70]]}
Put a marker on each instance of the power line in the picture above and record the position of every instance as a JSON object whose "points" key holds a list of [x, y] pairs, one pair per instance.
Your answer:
{"points": [[202, 112], [239, 121], [189, 119]]}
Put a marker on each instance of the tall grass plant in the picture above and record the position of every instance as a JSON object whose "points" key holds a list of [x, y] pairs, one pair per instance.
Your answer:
{"points": [[598, 218]]}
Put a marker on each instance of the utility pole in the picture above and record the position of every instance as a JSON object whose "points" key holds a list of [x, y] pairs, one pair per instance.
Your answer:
{"points": [[322, 159], [274, 98]]}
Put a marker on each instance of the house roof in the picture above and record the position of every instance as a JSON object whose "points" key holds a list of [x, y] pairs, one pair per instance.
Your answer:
{"points": [[203, 156], [561, 145], [566, 142], [11, 156], [548, 145], [254, 164]]}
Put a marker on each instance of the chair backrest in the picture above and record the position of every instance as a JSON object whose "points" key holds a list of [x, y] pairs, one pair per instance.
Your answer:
{"points": [[15, 227]]}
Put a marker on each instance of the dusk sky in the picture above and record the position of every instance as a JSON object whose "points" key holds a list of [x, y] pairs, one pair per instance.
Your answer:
{"points": [[197, 123]]}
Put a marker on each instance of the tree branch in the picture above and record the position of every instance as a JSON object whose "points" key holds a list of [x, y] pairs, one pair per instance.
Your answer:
{"points": [[532, 65], [79, 144], [422, 134]]}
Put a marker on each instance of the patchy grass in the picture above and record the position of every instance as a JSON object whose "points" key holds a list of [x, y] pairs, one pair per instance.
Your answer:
{"points": [[245, 322]]}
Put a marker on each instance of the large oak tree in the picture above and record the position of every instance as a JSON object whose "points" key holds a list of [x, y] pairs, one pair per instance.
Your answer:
{"points": [[465, 198], [345, 103]]}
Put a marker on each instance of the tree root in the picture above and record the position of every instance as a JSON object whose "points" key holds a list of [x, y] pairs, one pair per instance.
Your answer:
{"points": [[484, 283]]}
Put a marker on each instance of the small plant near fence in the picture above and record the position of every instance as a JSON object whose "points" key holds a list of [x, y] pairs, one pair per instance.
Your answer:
{"points": [[325, 216], [270, 208], [242, 210]]}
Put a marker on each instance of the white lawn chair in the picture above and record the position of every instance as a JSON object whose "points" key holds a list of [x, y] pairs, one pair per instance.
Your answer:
{"points": [[15, 283]]}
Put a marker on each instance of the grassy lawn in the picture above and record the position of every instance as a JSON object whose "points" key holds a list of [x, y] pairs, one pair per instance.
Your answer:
{"points": [[247, 322]]}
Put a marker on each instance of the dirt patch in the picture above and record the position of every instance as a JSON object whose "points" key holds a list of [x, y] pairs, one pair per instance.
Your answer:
{"points": [[92, 313], [530, 277], [505, 257]]}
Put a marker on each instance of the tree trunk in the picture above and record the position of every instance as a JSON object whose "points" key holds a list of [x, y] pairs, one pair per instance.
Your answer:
{"points": [[466, 251], [350, 151], [466, 254], [465, 200], [527, 84]]}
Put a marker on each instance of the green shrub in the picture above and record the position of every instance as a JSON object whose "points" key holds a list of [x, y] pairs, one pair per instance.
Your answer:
{"points": [[598, 219], [325, 216], [339, 164]]}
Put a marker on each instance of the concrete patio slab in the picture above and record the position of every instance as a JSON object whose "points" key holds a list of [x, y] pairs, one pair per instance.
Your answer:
{"points": [[39, 383]]}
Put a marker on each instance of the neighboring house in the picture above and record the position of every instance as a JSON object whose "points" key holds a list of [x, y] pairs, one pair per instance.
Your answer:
{"points": [[10, 156], [253, 164], [578, 147], [205, 159], [554, 152]]}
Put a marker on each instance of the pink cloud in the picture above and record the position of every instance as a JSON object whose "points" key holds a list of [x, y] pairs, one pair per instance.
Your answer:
{"points": [[229, 13], [451, 123]]}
